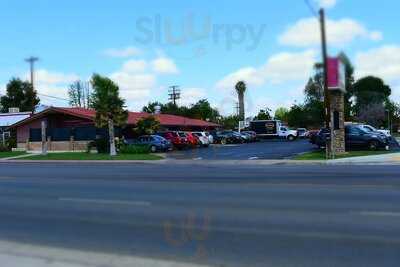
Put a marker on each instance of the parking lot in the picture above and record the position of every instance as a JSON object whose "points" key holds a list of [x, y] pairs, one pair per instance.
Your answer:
{"points": [[266, 149]]}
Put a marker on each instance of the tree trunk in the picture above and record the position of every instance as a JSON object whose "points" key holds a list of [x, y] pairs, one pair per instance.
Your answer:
{"points": [[44, 138], [113, 151], [241, 107]]}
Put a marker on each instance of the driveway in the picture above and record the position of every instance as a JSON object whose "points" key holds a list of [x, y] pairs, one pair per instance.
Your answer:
{"points": [[267, 149]]}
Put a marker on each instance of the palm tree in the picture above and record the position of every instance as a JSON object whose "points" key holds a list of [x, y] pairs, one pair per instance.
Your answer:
{"points": [[241, 89], [109, 106]]}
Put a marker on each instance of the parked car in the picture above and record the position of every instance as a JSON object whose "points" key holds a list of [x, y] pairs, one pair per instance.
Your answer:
{"points": [[312, 136], [251, 134], [210, 137], [203, 138], [302, 133], [156, 143], [373, 129], [192, 140], [357, 138], [226, 137], [176, 140]]}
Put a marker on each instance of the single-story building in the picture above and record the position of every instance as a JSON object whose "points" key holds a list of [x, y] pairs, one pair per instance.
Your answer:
{"points": [[8, 119], [71, 129]]}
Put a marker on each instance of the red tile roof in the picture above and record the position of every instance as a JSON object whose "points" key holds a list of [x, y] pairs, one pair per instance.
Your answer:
{"points": [[133, 117]]}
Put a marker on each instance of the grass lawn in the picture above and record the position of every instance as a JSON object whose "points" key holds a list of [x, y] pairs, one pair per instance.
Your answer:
{"points": [[10, 154], [320, 155], [88, 156]]}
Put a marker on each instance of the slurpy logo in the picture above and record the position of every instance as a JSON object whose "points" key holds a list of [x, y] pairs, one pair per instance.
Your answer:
{"points": [[167, 31]]}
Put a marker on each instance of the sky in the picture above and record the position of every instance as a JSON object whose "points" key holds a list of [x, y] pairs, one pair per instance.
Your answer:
{"points": [[205, 47]]}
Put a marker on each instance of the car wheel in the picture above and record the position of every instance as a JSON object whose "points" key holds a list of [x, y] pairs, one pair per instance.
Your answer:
{"points": [[153, 149], [223, 141], [290, 138], [373, 145]]}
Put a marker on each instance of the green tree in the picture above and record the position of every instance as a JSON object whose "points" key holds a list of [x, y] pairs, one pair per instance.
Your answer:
{"points": [[264, 114], [349, 70], [241, 88], [202, 110], [147, 126], [151, 107], [20, 95], [281, 114], [109, 106], [79, 94], [230, 122], [370, 91]]}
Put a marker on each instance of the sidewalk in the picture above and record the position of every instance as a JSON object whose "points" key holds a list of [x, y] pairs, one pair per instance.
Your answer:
{"points": [[393, 158]]}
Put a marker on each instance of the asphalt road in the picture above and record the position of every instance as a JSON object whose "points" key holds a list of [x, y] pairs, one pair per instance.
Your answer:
{"points": [[266, 149], [215, 215]]}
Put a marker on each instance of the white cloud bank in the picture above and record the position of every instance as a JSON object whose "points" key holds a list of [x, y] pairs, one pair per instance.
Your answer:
{"points": [[383, 62], [306, 33], [280, 68]]}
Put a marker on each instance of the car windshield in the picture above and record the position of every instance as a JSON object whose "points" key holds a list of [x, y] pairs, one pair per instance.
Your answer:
{"points": [[369, 128]]}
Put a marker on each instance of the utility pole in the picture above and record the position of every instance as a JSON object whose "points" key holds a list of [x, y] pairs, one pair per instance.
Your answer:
{"points": [[325, 63], [237, 109], [31, 62], [174, 93]]}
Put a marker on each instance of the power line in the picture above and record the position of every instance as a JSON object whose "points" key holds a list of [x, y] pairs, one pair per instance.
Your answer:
{"points": [[312, 9], [54, 97]]}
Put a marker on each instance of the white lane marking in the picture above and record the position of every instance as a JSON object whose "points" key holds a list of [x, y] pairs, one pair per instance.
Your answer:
{"points": [[107, 201], [199, 158], [253, 158], [380, 213]]}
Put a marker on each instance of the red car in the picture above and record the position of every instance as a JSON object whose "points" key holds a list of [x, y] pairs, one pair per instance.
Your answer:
{"points": [[192, 139], [175, 138]]}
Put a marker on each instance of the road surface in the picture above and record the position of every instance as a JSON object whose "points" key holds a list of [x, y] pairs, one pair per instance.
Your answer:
{"points": [[266, 149], [209, 215]]}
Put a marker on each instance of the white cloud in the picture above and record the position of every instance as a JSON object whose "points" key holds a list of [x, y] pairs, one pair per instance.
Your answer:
{"points": [[326, 3], [2, 89], [192, 95], [280, 68], [134, 86], [51, 85], [129, 51], [43, 76], [306, 32], [383, 62], [164, 65], [138, 82], [132, 66]]}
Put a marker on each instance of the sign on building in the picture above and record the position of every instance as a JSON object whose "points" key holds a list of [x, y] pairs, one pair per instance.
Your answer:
{"points": [[336, 74]]}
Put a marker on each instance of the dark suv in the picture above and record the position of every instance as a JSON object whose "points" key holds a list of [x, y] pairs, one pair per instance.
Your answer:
{"points": [[356, 138]]}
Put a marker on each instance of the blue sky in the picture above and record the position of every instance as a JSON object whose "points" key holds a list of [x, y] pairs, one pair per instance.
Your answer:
{"points": [[203, 46]]}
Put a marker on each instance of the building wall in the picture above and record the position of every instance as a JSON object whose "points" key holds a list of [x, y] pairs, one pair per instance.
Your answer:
{"points": [[52, 121]]}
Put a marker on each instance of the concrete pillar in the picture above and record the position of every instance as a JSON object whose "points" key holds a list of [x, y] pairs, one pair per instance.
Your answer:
{"points": [[338, 145], [49, 148], [71, 143]]}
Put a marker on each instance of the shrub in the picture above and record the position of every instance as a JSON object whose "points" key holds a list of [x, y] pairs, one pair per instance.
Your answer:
{"points": [[134, 149], [4, 148], [12, 143], [102, 145]]}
